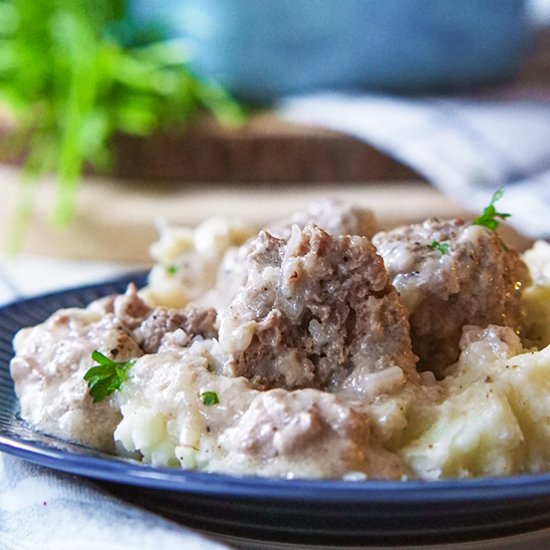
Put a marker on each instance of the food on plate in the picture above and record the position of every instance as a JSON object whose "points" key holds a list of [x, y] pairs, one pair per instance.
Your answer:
{"points": [[310, 348], [451, 273], [314, 309], [51, 360]]}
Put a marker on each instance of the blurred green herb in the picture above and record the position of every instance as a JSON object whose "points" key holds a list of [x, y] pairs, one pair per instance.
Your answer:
{"points": [[107, 376], [490, 214], [74, 72], [171, 269]]}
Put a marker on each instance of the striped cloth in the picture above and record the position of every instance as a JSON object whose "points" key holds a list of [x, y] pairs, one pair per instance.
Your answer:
{"points": [[466, 146]]}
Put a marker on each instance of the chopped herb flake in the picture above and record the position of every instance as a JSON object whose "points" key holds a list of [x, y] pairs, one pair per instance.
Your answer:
{"points": [[490, 214], [209, 398], [442, 247], [107, 376], [171, 269]]}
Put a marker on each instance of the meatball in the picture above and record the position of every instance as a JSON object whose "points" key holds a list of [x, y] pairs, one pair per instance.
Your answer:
{"points": [[334, 216], [314, 309], [309, 433], [450, 274], [193, 320], [130, 308]]}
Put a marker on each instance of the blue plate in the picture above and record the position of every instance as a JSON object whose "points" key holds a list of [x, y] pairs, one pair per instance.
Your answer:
{"points": [[302, 512]]}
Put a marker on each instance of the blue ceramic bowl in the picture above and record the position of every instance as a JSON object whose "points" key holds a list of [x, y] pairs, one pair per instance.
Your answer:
{"points": [[262, 49]]}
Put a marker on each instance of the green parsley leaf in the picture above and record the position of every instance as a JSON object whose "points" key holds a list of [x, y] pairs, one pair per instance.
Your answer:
{"points": [[442, 247], [490, 214], [209, 398], [171, 269], [107, 376]]}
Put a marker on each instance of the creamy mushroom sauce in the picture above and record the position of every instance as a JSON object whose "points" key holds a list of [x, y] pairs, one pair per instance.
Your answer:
{"points": [[308, 335]]}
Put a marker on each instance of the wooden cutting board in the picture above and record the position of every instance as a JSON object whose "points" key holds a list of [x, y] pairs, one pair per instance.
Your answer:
{"points": [[115, 218]]}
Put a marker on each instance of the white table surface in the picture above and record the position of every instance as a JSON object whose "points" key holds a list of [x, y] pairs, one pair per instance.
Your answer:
{"points": [[26, 275]]}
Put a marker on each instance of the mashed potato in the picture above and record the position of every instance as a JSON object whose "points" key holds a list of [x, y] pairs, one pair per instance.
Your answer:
{"points": [[187, 260], [163, 416], [494, 418], [537, 297]]}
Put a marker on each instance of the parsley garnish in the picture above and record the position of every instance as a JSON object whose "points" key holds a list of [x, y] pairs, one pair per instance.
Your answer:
{"points": [[209, 398], [490, 214], [442, 247], [171, 269], [107, 376]]}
